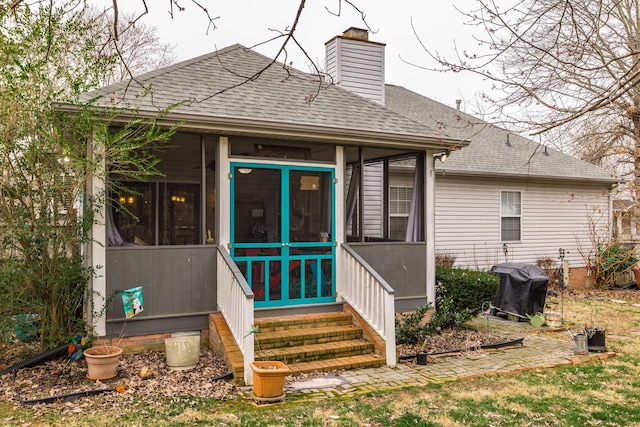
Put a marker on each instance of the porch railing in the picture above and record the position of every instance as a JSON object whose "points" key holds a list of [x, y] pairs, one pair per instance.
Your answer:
{"points": [[235, 302], [371, 296]]}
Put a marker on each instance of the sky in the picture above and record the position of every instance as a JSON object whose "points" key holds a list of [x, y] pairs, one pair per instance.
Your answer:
{"points": [[250, 22]]}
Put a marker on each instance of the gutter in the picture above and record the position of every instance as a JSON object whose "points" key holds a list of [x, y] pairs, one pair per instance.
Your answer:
{"points": [[494, 174]]}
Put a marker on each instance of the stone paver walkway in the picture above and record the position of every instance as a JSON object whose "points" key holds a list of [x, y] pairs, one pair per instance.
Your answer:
{"points": [[541, 348]]}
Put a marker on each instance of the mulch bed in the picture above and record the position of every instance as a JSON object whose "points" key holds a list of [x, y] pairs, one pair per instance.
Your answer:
{"points": [[41, 381], [456, 341]]}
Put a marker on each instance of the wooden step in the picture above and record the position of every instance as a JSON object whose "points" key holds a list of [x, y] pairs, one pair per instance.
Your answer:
{"points": [[306, 321], [305, 336], [342, 363], [310, 353]]}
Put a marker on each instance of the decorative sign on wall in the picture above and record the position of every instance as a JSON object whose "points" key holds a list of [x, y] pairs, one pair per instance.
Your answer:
{"points": [[132, 301], [309, 183]]}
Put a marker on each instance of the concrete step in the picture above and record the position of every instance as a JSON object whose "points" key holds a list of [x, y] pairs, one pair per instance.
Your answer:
{"points": [[310, 353]]}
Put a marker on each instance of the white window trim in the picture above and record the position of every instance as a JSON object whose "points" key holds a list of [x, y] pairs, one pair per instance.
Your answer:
{"points": [[503, 215]]}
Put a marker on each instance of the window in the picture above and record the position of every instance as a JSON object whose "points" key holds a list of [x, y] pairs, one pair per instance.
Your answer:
{"points": [[510, 216], [399, 206]]}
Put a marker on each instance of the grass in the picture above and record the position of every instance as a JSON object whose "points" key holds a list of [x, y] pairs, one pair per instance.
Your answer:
{"points": [[601, 393]]}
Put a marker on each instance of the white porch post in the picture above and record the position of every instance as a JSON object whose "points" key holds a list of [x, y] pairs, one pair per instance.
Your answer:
{"points": [[223, 193], [97, 253], [339, 238], [430, 229]]}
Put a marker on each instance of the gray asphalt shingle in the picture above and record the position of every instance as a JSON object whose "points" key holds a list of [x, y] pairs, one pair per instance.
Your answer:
{"points": [[488, 154], [276, 96]]}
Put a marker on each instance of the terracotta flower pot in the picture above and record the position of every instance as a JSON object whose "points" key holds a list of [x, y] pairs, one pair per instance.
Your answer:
{"points": [[268, 378], [102, 361]]}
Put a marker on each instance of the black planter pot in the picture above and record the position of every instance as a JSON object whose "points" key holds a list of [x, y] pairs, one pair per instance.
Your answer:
{"points": [[421, 358], [596, 339]]}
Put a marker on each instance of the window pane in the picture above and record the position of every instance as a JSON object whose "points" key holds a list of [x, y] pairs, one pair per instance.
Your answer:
{"points": [[398, 227], [133, 216], [510, 203], [400, 200], [180, 214], [510, 229]]}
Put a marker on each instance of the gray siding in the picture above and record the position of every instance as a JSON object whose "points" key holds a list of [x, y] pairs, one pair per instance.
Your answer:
{"points": [[178, 285], [554, 215], [402, 266], [373, 198]]}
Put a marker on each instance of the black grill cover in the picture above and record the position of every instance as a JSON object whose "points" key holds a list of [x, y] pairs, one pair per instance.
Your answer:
{"points": [[523, 288]]}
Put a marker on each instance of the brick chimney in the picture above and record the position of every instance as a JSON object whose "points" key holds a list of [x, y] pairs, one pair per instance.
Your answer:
{"points": [[357, 64]]}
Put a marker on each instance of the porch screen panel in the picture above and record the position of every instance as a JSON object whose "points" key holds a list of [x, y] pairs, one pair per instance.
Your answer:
{"points": [[166, 210], [310, 215]]}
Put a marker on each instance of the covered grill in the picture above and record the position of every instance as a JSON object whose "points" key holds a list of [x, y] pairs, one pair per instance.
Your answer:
{"points": [[523, 288]]}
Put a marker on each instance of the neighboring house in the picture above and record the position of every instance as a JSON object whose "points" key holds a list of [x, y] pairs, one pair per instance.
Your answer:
{"points": [[625, 225], [259, 188], [508, 198]]}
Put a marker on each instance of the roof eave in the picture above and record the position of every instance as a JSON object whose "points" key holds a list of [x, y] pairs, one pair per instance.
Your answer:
{"points": [[289, 130]]}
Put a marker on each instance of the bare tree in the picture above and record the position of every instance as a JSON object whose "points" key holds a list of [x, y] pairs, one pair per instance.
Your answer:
{"points": [[121, 33], [565, 65], [137, 49]]}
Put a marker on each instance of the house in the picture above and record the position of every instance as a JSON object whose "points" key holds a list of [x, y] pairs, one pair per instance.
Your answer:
{"points": [[506, 198], [248, 224], [286, 197]]}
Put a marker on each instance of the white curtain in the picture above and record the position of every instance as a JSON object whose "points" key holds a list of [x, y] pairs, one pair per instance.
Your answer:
{"points": [[352, 193], [112, 232], [415, 225]]}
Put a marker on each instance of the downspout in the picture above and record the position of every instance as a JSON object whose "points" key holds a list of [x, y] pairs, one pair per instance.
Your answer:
{"points": [[430, 227], [610, 216]]}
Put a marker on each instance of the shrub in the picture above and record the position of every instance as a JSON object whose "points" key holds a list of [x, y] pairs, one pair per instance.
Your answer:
{"points": [[612, 259], [445, 259], [447, 317], [549, 266], [468, 290], [410, 329], [460, 295]]}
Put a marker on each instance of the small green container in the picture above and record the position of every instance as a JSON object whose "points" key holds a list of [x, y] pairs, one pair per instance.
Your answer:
{"points": [[26, 326]]}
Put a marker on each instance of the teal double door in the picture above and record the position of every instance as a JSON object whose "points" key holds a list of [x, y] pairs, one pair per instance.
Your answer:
{"points": [[282, 232]]}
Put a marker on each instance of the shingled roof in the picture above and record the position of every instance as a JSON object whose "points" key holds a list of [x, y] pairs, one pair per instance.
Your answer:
{"points": [[488, 154], [217, 90]]}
